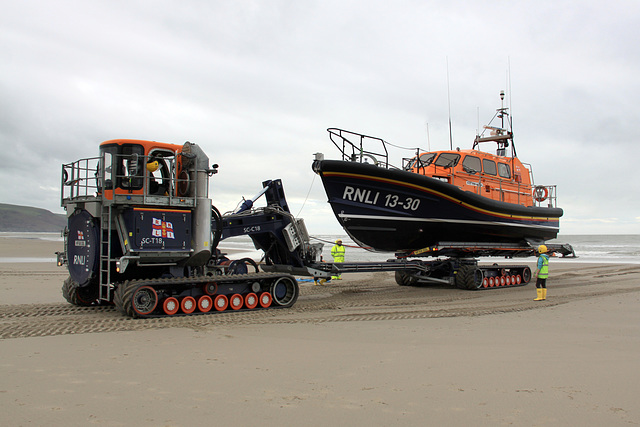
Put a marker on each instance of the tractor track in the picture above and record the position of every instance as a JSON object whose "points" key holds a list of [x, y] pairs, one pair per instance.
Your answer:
{"points": [[349, 301]]}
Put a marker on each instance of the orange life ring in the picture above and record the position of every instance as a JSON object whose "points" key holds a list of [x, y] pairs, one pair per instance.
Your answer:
{"points": [[540, 193]]}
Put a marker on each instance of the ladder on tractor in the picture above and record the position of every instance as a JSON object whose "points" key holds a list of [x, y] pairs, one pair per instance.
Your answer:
{"points": [[105, 251]]}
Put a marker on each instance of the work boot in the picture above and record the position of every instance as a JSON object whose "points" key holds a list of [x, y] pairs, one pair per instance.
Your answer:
{"points": [[539, 292], [544, 294]]}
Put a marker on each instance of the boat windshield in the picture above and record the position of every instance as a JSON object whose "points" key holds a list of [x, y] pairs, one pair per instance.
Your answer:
{"points": [[423, 161], [447, 160]]}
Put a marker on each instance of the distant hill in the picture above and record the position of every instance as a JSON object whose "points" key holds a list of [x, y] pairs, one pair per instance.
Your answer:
{"points": [[27, 218]]}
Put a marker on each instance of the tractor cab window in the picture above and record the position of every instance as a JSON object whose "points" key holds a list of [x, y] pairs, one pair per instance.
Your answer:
{"points": [[160, 164], [125, 163]]}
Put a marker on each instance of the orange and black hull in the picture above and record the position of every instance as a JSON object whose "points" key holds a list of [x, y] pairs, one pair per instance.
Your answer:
{"points": [[395, 210]]}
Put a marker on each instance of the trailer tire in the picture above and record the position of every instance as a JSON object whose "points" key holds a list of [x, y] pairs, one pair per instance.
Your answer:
{"points": [[404, 279], [469, 277], [82, 297]]}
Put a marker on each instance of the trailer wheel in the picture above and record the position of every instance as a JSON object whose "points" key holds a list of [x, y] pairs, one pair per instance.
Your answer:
{"points": [[404, 279], [82, 297], [285, 291], [469, 277]]}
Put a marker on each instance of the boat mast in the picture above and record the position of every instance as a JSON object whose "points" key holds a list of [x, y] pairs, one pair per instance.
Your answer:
{"points": [[449, 102]]}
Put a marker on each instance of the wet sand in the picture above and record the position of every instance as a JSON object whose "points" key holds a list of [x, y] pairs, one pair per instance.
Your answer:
{"points": [[363, 351]]}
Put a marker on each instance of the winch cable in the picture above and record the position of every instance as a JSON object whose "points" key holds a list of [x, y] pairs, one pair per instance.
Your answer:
{"points": [[308, 192]]}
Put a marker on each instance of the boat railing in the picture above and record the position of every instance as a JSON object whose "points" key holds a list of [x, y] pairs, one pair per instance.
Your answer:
{"points": [[545, 196], [356, 147]]}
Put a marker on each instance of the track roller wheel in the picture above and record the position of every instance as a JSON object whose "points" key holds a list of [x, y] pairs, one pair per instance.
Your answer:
{"points": [[188, 305], [170, 306], [502, 281], [518, 279], [513, 280], [485, 282], [236, 301], [251, 301], [265, 299], [526, 275], [492, 282], [221, 302], [205, 303], [210, 288], [507, 280]]}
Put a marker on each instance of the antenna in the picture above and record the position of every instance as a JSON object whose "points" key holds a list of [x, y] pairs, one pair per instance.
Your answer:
{"points": [[428, 138], [449, 103], [502, 107], [510, 102]]}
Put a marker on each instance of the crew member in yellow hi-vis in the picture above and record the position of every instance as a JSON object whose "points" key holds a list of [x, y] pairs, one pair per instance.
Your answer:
{"points": [[337, 252], [543, 273]]}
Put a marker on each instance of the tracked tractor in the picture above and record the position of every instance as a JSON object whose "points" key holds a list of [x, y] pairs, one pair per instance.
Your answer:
{"points": [[142, 234]]}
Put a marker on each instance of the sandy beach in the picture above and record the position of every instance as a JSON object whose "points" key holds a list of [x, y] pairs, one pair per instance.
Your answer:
{"points": [[362, 351]]}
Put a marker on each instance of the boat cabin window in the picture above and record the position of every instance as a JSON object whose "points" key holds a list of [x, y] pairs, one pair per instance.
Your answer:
{"points": [[447, 160], [504, 170], [423, 161], [489, 166], [471, 164]]}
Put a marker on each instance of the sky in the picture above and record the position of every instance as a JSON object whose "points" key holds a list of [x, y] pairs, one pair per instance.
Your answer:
{"points": [[257, 83]]}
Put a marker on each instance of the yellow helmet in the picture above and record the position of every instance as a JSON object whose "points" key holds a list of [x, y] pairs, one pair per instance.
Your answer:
{"points": [[152, 166], [339, 241], [542, 249]]}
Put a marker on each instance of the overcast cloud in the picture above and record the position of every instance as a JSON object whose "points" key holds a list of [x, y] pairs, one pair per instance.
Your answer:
{"points": [[256, 84]]}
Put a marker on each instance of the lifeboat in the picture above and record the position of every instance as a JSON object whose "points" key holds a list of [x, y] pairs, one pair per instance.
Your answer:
{"points": [[469, 196]]}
